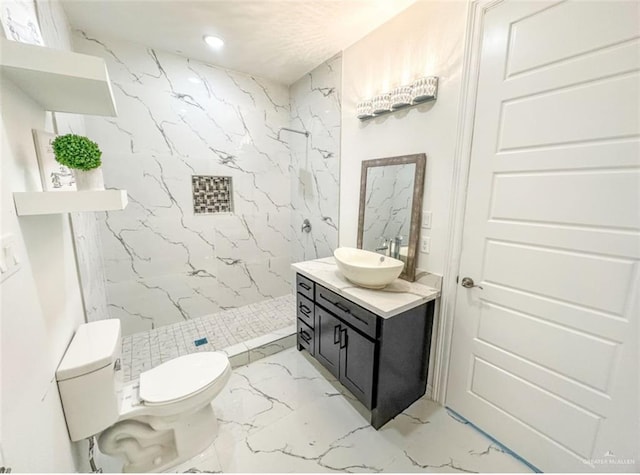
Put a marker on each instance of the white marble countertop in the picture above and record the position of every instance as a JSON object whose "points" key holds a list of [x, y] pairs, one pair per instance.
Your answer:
{"points": [[395, 298]]}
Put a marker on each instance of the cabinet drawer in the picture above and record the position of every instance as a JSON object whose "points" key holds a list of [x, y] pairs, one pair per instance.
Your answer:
{"points": [[351, 313], [305, 310], [306, 337], [304, 286]]}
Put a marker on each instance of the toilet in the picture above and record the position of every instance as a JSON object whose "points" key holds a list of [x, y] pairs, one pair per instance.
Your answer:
{"points": [[154, 423]]}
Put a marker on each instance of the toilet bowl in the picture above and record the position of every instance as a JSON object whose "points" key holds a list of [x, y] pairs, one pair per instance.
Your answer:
{"points": [[154, 423]]}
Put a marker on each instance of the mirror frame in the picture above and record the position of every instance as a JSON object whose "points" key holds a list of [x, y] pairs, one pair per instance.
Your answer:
{"points": [[420, 160]]}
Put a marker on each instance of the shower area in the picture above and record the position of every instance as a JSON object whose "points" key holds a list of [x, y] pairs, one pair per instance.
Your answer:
{"points": [[222, 170]]}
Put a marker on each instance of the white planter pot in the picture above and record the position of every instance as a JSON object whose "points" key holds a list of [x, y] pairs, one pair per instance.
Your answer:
{"points": [[89, 180]]}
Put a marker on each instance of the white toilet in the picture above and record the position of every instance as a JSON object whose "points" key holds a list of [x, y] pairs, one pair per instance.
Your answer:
{"points": [[155, 423]]}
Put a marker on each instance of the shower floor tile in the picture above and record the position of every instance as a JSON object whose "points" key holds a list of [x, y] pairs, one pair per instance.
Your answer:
{"points": [[246, 334]]}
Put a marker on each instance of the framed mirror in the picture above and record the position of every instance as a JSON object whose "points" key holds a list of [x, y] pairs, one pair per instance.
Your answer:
{"points": [[391, 207]]}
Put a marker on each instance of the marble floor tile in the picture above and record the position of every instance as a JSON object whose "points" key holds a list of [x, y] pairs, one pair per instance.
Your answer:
{"points": [[206, 462], [285, 413]]}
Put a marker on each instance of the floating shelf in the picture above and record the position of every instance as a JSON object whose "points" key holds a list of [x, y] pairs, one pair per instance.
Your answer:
{"points": [[60, 81], [29, 203]]}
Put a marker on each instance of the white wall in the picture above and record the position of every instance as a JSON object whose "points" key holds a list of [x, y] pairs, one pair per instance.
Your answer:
{"points": [[426, 39], [41, 304]]}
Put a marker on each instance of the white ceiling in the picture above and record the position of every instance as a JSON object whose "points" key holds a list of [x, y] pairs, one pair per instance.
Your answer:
{"points": [[276, 39]]}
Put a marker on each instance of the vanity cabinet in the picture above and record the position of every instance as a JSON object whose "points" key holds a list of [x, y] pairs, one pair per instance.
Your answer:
{"points": [[347, 354], [383, 362]]}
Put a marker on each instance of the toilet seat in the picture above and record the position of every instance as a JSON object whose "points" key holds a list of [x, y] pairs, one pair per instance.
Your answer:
{"points": [[182, 377]]}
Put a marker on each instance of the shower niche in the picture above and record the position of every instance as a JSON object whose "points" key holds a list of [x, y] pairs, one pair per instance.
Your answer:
{"points": [[212, 194]]}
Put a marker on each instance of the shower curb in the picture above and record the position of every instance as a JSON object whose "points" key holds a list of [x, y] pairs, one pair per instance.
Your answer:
{"points": [[249, 351]]}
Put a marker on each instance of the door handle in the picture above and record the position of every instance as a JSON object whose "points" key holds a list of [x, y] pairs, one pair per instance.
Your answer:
{"points": [[468, 283], [305, 286], [336, 334], [343, 343], [342, 307]]}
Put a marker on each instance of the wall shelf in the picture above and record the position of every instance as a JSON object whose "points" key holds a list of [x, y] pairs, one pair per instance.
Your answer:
{"points": [[29, 203], [60, 81]]}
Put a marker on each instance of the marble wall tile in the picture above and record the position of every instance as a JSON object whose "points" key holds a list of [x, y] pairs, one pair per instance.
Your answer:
{"points": [[90, 264], [315, 160], [177, 118]]}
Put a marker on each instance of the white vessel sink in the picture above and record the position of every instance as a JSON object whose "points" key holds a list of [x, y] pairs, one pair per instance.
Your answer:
{"points": [[367, 269]]}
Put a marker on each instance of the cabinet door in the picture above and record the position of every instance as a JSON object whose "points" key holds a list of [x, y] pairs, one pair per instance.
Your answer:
{"points": [[356, 365], [328, 341]]}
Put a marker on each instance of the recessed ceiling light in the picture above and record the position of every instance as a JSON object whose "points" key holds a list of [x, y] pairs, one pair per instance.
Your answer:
{"points": [[214, 41]]}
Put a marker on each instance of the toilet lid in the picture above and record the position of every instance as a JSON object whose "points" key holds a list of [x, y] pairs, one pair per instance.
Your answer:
{"points": [[181, 377]]}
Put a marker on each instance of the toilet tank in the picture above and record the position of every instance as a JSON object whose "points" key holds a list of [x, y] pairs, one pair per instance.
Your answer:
{"points": [[89, 378]]}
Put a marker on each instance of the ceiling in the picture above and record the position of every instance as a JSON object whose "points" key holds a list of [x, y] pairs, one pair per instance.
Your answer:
{"points": [[276, 39]]}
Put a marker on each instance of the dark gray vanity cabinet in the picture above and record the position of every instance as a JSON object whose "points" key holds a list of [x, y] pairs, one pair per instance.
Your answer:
{"points": [[383, 362], [327, 349], [347, 354]]}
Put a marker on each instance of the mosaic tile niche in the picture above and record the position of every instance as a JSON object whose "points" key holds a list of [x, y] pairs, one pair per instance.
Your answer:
{"points": [[212, 194]]}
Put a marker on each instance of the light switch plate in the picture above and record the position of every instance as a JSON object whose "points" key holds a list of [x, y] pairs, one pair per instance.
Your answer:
{"points": [[9, 260], [426, 219]]}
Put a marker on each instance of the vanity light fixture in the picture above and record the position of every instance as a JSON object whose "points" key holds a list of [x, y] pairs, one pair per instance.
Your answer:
{"points": [[364, 109], [214, 41], [401, 97], [382, 103], [421, 90]]}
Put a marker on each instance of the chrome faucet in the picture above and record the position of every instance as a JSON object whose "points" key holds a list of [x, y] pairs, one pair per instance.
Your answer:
{"points": [[384, 245]]}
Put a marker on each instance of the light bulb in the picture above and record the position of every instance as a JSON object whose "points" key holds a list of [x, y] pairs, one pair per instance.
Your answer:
{"points": [[214, 41]]}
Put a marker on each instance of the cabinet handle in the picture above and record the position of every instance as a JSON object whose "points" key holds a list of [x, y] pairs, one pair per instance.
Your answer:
{"points": [[305, 286], [304, 309], [337, 304], [305, 336], [343, 343], [336, 335], [346, 310]]}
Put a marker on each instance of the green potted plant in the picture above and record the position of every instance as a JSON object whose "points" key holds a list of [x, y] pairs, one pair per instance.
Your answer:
{"points": [[83, 157]]}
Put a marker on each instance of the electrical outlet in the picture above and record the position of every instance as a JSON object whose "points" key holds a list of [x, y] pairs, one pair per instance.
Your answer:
{"points": [[426, 219], [425, 246]]}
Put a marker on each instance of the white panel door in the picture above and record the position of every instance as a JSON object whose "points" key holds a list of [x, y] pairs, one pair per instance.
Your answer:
{"points": [[545, 354]]}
